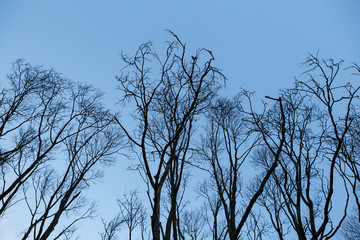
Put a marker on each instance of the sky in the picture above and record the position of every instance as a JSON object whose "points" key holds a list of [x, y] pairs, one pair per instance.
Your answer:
{"points": [[258, 44]]}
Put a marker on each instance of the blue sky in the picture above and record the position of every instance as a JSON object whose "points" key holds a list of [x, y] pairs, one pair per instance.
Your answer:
{"points": [[256, 43], [259, 45]]}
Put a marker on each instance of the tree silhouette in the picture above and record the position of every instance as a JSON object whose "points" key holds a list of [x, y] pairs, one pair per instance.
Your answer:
{"points": [[166, 106], [54, 133]]}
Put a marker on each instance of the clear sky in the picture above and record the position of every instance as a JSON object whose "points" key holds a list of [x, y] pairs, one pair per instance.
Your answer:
{"points": [[259, 45]]}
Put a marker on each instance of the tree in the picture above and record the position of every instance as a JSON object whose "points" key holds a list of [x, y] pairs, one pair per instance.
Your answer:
{"points": [[193, 225], [351, 227], [212, 208], [350, 166], [257, 228], [61, 134], [24, 108], [166, 107], [319, 115], [111, 228], [231, 137], [132, 211]]}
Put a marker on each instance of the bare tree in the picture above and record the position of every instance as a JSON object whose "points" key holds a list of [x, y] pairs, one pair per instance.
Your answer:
{"points": [[319, 114], [193, 225], [166, 106], [351, 227], [25, 107], [132, 211], [350, 166], [257, 227], [111, 228], [212, 208], [132, 214], [61, 133], [270, 201], [232, 135]]}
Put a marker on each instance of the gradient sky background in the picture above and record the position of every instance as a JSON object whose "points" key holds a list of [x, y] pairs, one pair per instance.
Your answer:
{"points": [[259, 45]]}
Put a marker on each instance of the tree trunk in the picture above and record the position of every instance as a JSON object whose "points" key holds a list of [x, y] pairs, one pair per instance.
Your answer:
{"points": [[155, 218]]}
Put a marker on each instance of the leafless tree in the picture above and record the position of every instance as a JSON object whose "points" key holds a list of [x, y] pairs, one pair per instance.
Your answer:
{"points": [[351, 227], [350, 167], [257, 228], [193, 225], [111, 228], [270, 201], [132, 214], [175, 189], [319, 113], [25, 119], [232, 135], [166, 106], [212, 208], [132, 211], [61, 133]]}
